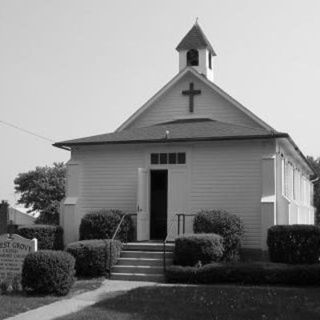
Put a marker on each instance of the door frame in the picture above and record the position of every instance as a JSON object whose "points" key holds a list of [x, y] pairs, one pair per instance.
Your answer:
{"points": [[170, 168]]}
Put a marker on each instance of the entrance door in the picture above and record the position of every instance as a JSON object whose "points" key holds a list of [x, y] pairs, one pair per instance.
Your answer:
{"points": [[178, 200], [158, 204]]}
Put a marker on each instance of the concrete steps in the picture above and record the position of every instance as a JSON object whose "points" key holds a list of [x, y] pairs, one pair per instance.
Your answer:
{"points": [[142, 261]]}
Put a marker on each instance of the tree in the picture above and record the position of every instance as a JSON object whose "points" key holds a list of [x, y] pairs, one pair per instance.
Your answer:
{"points": [[42, 190], [315, 163]]}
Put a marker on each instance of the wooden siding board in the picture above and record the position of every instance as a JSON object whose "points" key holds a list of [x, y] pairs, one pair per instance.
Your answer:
{"points": [[174, 105], [228, 176], [222, 175]]}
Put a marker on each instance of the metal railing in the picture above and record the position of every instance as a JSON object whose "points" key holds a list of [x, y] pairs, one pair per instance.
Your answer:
{"points": [[181, 217], [114, 237]]}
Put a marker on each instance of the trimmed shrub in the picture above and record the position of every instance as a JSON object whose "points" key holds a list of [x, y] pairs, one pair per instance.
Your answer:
{"points": [[294, 243], [102, 225], [193, 248], [93, 256], [48, 272], [227, 225], [246, 273], [49, 237]]}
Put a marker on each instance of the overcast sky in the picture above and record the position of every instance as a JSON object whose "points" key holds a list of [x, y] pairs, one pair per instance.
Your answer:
{"points": [[74, 68]]}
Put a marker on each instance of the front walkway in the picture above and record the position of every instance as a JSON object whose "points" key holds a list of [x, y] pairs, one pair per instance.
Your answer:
{"points": [[81, 301]]}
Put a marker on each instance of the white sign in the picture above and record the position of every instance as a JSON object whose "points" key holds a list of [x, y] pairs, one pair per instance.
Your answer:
{"points": [[12, 253]]}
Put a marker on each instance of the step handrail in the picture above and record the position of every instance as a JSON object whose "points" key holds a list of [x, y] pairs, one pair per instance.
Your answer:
{"points": [[114, 236], [167, 238], [178, 215]]}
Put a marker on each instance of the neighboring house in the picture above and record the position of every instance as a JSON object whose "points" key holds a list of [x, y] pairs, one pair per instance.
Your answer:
{"points": [[20, 216], [15, 216], [190, 147]]}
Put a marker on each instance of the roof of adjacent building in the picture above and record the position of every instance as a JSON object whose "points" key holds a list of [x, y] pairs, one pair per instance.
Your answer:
{"points": [[195, 39], [178, 131]]}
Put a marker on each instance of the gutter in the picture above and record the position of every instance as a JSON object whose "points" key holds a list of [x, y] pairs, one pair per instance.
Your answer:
{"points": [[57, 145], [303, 156]]}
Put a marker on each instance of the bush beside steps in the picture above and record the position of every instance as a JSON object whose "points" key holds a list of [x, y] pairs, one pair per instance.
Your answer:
{"points": [[246, 273], [191, 249], [103, 223], [48, 272], [92, 257], [227, 225]]}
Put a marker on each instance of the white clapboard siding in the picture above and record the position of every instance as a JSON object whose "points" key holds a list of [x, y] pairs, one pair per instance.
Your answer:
{"points": [[224, 175], [208, 104], [228, 176], [109, 178]]}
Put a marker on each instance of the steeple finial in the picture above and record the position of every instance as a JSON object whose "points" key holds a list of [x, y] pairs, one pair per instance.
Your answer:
{"points": [[196, 22]]}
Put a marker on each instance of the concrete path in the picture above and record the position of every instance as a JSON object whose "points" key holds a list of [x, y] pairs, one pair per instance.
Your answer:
{"points": [[81, 301]]}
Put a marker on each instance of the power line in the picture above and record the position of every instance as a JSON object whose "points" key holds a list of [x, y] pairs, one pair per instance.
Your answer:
{"points": [[26, 131]]}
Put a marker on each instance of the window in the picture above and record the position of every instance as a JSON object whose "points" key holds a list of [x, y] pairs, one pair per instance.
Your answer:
{"points": [[172, 158], [154, 158], [192, 57], [294, 179], [163, 158], [168, 158], [210, 60], [181, 158], [288, 179], [297, 185], [311, 194]]}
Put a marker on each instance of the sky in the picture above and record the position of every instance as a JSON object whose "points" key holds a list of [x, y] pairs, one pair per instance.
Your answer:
{"points": [[75, 68]]}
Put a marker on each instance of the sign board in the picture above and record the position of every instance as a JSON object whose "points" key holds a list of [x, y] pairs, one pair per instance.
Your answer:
{"points": [[13, 250]]}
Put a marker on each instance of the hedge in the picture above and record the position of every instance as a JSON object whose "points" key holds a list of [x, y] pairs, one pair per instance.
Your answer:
{"points": [[93, 256], [49, 237], [102, 225], [191, 249], [294, 243], [246, 273], [48, 272], [227, 225]]}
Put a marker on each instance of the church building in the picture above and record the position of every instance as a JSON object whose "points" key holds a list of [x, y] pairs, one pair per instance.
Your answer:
{"points": [[190, 147]]}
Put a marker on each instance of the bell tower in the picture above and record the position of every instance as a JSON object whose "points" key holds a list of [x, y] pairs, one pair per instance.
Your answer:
{"points": [[196, 51]]}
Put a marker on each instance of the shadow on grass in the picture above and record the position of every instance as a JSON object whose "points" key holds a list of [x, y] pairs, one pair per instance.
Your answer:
{"points": [[212, 302]]}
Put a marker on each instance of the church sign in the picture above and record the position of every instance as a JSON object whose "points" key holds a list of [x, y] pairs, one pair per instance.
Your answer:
{"points": [[13, 250]]}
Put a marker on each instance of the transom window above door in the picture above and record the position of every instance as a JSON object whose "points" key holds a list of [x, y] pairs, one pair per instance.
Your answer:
{"points": [[168, 158]]}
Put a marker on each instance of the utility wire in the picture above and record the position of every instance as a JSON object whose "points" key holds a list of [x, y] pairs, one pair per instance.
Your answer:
{"points": [[26, 131]]}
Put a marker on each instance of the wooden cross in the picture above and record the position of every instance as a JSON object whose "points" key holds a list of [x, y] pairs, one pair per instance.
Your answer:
{"points": [[191, 93]]}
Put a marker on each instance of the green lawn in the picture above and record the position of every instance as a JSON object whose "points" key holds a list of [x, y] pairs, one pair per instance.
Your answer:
{"points": [[13, 304], [206, 302]]}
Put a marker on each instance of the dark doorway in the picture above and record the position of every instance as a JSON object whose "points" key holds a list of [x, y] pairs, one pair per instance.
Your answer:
{"points": [[158, 204]]}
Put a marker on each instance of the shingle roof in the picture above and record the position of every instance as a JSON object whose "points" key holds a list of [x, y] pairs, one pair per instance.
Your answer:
{"points": [[195, 39], [178, 131]]}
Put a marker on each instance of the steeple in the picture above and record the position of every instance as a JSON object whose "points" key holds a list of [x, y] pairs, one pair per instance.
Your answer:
{"points": [[196, 51]]}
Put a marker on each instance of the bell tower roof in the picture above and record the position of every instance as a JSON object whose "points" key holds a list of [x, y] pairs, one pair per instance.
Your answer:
{"points": [[195, 39]]}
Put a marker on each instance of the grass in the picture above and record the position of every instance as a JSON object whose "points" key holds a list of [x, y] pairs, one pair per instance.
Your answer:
{"points": [[206, 302], [13, 304]]}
